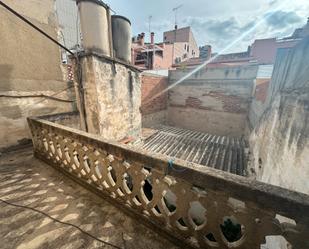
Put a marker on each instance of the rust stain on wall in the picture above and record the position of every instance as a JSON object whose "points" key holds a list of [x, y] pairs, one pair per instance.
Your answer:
{"points": [[230, 103]]}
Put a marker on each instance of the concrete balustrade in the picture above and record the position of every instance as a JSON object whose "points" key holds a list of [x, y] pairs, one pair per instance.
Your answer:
{"points": [[199, 206]]}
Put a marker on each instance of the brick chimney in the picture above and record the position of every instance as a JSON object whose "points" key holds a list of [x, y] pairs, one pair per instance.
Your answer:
{"points": [[142, 39], [152, 37]]}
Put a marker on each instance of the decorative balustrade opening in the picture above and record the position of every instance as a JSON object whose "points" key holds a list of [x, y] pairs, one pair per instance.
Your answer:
{"points": [[199, 206]]}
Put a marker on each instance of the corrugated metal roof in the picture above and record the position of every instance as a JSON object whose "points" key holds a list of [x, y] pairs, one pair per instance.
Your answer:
{"points": [[220, 152]]}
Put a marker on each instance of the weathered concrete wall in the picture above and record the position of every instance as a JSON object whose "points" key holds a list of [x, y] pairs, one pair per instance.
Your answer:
{"points": [[112, 98], [280, 145], [30, 65], [260, 98], [280, 140], [70, 119], [154, 100], [214, 100], [154, 119]]}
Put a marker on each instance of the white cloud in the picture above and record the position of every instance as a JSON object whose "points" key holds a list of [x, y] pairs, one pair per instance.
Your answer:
{"points": [[217, 23]]}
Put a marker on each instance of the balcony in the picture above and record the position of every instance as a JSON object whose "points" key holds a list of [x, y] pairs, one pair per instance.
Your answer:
{"points": [[192, 205]]}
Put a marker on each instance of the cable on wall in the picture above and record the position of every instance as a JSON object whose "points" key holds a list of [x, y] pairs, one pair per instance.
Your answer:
{"points": [[79, 68], [35, 27], [36, 96]]}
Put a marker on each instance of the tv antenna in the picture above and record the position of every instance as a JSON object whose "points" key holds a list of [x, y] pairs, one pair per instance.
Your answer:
{"points": [[149, 22], [175, 11]]}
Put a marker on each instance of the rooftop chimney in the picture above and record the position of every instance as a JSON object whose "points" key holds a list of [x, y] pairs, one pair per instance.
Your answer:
{"points": [[142, 39], [152, 37]]}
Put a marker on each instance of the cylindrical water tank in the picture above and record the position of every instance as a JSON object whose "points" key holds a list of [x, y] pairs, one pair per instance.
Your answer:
{"points": [[122, 38], [95, 22]]}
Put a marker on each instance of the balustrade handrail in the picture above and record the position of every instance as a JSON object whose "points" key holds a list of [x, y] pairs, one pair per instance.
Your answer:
{"points": [[266, 197]]}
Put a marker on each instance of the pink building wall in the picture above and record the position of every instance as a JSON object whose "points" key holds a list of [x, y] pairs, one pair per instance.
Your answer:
{"points": [[166, 61], [264, 50], [184, 41], [182, 48]]}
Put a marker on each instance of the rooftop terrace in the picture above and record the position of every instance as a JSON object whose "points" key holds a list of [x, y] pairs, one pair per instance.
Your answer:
{"points": [[190, 204], [29, 182]]}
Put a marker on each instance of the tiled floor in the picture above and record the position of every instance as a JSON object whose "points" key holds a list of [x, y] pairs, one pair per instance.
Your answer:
{"points": [[27, 181]]}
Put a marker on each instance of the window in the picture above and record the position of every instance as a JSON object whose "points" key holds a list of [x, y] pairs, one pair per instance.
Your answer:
{"points": [[188, 48], [185, 46]]}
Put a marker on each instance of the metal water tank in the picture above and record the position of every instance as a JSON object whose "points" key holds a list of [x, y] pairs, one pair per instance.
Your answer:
{"points": [[122, 38], [95, 26]]}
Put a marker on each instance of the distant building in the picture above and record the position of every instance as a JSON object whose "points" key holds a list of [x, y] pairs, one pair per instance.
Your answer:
{"points": [[205, 52], [185, 46], [262, 52], [151, 56], [178, 45]]}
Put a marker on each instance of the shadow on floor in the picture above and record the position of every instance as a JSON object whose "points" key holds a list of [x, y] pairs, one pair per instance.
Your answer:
{"points": [[27, 181]]}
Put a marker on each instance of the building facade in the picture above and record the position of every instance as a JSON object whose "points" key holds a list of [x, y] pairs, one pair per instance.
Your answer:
{"points": [[178, 45]]}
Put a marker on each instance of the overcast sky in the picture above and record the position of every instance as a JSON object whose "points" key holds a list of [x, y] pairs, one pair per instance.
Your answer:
{"points": [[217, 22]]}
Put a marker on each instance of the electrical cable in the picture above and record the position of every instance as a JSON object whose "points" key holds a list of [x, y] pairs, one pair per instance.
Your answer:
{"points": [[61, 222], [79, 69], [40, 101], [35, 27], [37, 96]]}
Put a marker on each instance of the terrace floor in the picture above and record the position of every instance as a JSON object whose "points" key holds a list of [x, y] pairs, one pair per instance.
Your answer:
{"points": [[26, 181], [220, 152]]}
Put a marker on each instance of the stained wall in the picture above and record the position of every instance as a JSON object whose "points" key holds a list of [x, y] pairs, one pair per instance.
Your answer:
{"points": [[30, 69], [112, 98], [213, 100], [279, 141]]}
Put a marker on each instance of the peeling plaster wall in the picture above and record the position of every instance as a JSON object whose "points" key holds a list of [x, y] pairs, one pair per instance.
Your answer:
{"points": [[280, 139], [280, 145], [154, 119], [214, 100], [29, 65], [112, 98]]}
